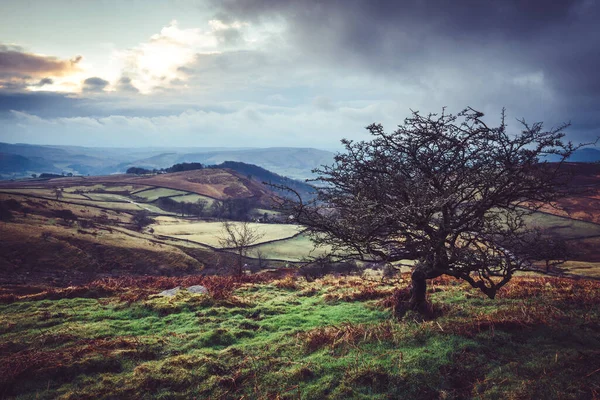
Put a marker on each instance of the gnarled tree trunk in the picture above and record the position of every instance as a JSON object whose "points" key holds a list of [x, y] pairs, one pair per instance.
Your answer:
{"points": [[418, 291]]}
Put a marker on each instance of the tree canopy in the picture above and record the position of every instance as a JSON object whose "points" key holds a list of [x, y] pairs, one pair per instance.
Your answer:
{"points": [[447, 191]]}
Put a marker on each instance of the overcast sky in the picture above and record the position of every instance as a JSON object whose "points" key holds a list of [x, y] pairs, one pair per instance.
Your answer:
{"points": [[265, 73]]}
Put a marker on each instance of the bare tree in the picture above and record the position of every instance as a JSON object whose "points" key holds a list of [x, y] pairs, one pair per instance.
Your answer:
{"points": [[445, 190], [239, 236], [58, 192]]}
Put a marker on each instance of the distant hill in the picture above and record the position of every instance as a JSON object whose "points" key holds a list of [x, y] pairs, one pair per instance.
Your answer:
{"points": [[292, 162], [16, 164], [285, 161]]}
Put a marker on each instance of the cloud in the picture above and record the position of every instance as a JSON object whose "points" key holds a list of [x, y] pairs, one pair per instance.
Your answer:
{"points": [[484, 54], [44, 82], [15, 62], [94, 84], [240, 124], [163, 58], [21, 70], [281, 72], [168, 58], [125, 85], [323, 103]]}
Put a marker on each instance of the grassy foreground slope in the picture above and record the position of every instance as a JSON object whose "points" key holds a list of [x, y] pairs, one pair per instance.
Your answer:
{"points": [[284, 338]]}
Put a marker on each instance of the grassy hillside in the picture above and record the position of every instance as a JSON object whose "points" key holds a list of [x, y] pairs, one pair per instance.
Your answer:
{"points": [[257, 173], [285, 338]]}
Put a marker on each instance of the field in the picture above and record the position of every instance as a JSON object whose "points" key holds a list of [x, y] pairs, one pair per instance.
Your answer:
{"points": [[297, 248], [563, 227], [154, 194], [214, 183], [266, 338], [211, 232], [193, 198]]}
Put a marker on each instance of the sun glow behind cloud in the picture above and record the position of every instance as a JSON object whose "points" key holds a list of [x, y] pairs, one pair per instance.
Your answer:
{"points": [[158, 63]]}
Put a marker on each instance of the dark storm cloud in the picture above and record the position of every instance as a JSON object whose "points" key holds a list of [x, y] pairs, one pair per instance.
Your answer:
{"points": [[94, 84], [15, 62], [411, 39], [399, 32], [44, 81], [125, 85]]}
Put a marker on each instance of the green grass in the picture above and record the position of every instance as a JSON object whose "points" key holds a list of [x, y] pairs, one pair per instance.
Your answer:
{"points": [[295, 249], [193, 198], [295, 339], [106, 187], [582, 268], [563, 227], [154, 194], [107, 197]]}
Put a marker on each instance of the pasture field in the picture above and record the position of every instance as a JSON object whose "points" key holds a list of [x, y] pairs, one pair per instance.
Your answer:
{"points": [[154, 194], [113, 205], [125, 205], [107, 187], [565, 228], [297, 248], [192, 198], [210, 232], [107, 197], [265, 338], [584, 268]]}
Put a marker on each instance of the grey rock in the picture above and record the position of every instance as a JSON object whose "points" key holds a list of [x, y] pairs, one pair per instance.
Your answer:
{"points": [[198, 289], [170, 292]]}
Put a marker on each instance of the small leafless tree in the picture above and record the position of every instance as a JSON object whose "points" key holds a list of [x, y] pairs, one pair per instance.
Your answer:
{"points": [[239, 236], [445, 190], [58, 192]]}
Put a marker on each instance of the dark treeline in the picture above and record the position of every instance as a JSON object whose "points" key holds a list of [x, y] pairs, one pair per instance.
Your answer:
{"points": [[47, 175], [174, 168], [138, 171], [185, 167], [232, 209]]}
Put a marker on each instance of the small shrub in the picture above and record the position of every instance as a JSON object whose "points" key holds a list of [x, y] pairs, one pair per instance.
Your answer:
{"points": [[344, 335], [288, 282]]}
